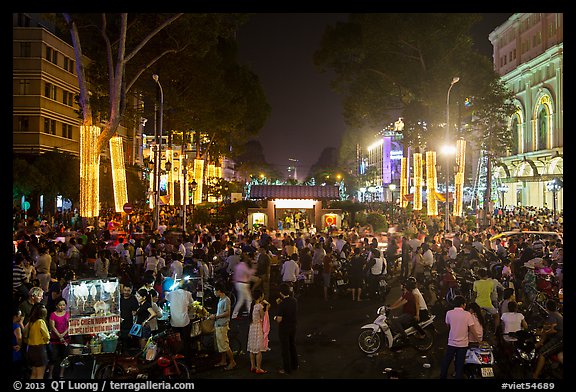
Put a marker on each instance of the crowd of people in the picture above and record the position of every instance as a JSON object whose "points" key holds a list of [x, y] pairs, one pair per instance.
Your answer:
{"points": [[266, 262]]}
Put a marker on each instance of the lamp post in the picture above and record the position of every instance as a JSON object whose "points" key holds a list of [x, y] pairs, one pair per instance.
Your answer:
{"points": [[502, 188], [158, 157], [392, 188], [554, 186], [447, 205]]}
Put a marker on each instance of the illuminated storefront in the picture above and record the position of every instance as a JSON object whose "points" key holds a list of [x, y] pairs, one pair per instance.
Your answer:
{"points": [[294, 207]]}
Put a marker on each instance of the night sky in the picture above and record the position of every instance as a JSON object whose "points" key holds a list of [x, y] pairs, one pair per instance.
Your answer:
{"points": [[306, 113]]}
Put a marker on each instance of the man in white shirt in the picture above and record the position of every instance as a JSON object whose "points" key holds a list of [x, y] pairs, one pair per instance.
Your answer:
{"points": [[177, 267], [180, 300], [181, 249], [427, 256], [290, 270], [452, 251], [154, 262]]}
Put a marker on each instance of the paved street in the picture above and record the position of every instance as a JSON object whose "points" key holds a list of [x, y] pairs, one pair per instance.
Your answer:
{"points": [[327, 346]]}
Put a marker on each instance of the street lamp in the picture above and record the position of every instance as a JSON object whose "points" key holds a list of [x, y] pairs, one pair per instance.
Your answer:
{"points": [[392, 188], [554, 186], [158, 156], [447, 217], [502, 188]]}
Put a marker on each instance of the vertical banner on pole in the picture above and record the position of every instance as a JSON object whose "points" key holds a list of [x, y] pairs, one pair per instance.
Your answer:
{"points": [[403, 182], [89, 172], [151, 199], [417, 181], [169, 176], [431, 183], [199, 177], [118, 173], [459, 177]]}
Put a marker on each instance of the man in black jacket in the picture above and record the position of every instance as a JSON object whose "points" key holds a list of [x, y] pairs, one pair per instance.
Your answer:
{"points": [[286, 317]]}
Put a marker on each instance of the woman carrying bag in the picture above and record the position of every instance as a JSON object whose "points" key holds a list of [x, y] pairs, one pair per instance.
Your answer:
{"points": [[144, 314]]}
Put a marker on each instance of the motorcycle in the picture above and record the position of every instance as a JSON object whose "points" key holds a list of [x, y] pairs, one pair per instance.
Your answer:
{"points": [[157, 360], [339, 281], [375, 335], [479, 362], [520, 357]]}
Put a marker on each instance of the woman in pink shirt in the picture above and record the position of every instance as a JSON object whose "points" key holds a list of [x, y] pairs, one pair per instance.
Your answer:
{"points": [[59, 338], [242, 276]]}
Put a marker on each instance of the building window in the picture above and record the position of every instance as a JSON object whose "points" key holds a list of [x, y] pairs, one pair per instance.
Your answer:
{"points": [[50, 126], [23, 124], [68, 64], [528, 140], [24, 87], [51, 55], [23, 20], [67, 131], [514, 52], [552, 28], [515, 128], [50, 91], [67, 98], [542, 128], [537, 39], [25, 49]]}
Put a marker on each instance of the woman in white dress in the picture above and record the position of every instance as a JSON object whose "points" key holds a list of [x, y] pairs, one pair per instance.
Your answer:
{"points": [[256, 339]]}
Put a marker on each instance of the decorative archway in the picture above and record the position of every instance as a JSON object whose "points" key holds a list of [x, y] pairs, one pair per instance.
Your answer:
{"points": [[542, 124], [516, 126], [556, 165]]}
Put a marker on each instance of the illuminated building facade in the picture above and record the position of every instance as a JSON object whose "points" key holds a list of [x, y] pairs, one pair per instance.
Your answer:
{"points": [[44, 90], [385, 157], [528, 55]]}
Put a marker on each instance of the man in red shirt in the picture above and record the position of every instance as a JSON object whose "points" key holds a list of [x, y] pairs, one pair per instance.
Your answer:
{"points": [[408, 302]]}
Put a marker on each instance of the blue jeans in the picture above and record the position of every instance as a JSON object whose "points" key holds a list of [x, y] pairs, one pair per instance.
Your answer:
{"points": [[459, 356]]}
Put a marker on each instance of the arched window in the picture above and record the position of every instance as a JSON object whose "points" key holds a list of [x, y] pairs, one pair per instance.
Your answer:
{"points": [[542, 128], [515, 129], [528, 140]]}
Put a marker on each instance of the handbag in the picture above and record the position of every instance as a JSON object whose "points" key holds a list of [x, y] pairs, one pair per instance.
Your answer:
{"points": [[196, 330], [136, 330], [207, 326]]}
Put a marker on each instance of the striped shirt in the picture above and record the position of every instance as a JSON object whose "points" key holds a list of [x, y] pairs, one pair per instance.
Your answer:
{"points": [[18, 276]]}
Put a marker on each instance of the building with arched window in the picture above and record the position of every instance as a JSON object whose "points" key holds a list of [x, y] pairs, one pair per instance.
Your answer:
{"points": [[528, 55]]}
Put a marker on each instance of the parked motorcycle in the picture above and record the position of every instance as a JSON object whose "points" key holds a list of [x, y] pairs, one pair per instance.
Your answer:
{"points": [[377, 334], [157, 360], [339, 281], [479, 362]]}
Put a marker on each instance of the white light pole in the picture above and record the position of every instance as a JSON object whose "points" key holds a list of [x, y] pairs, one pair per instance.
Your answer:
{"points": [[158, 157], [447, 205]]}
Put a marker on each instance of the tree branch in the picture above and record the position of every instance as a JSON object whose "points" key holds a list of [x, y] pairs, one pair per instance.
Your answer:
{"points": [[151, 63], [84, 99], [150, 36]]}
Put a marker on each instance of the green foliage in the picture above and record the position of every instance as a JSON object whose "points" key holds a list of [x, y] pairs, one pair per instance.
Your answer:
{"points": [[378, 221], [390, 64]]}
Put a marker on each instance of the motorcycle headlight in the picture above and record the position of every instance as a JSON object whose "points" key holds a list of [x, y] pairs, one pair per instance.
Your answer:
{"points": [[527, 356]]}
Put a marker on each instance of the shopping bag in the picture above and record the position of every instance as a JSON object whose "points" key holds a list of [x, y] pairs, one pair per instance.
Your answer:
{"points": [[207, 326], [136, 330], [195, 330]]}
